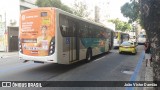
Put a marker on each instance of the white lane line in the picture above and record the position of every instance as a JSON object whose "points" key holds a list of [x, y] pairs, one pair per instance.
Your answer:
{"points": [[99, 58]]}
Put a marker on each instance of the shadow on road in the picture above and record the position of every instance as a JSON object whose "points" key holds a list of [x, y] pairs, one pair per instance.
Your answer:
{"points": [[52, 70]]}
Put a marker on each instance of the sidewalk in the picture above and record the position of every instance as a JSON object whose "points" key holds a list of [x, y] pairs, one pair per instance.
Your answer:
{"points": [[148, 77], [8, 54], [145, 74]]}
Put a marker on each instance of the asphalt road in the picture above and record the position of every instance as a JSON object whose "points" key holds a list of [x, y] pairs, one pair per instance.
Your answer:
{"points": [[108, 67]]}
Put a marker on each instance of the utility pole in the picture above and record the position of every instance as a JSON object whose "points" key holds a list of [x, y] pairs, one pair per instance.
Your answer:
{"points": [[96, 14]]}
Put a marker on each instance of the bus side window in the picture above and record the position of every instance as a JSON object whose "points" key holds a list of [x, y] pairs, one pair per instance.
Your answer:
{"points": [[72, 28], [63, 23], [83, 30], [90, 31], [95, 32], [64, 30], [80, 31], [101, 33]]}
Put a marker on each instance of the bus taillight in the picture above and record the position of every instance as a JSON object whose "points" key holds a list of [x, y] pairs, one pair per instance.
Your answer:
{"points": [[52, 46], [20, 46]]}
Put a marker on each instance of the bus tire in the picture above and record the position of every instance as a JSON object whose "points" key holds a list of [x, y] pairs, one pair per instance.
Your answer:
{"points": [[120, 52], [110, 47], [89, 55], [135, 52]]}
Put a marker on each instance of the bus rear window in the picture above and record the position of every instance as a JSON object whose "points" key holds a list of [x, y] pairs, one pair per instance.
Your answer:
{"points": [[115, 35], [43, 14]]}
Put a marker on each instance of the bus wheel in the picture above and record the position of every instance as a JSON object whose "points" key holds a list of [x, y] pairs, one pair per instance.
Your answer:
{"points": [[109, 47], [120, 52], [89, 55]]}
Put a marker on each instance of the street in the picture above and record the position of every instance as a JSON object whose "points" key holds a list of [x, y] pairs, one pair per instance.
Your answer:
{"points": [[108, 67]]}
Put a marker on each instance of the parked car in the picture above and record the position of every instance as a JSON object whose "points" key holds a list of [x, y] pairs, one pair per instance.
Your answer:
{"points": [[128, 47]]}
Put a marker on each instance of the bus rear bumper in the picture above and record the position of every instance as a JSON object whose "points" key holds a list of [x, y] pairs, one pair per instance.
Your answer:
{"points": [[43, 59], [116, 46]]}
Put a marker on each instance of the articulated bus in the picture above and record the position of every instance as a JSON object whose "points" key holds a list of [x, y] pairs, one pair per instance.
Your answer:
{"points": [[54, 36], [120, 37]]}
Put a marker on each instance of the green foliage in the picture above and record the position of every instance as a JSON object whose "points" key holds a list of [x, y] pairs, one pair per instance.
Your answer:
{"points": [[53, 3], [80, 9], [121, 25], [66, 8], [131, 10]]}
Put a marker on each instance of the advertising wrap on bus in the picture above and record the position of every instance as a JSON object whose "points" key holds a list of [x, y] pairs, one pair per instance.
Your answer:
{"points": [[37, 33]]}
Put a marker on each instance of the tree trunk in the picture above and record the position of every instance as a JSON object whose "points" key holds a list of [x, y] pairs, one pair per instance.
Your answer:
{"points": [[150, 15]]}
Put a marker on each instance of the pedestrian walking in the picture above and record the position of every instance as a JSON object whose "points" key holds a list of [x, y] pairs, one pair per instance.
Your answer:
{"points": [[147, 48]]}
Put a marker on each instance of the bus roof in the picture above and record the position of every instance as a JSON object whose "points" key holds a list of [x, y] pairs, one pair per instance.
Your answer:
{"points": [[69, 14], [66, 13]]}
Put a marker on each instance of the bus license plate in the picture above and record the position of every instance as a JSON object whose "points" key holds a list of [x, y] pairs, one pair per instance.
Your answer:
{"points": [[126, 49]]}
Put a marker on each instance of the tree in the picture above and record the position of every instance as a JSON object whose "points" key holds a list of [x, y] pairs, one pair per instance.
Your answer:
{"points": [[121, 25], [151, 21], [131, 10], [53, 3], [80, 9], [126, 26]]}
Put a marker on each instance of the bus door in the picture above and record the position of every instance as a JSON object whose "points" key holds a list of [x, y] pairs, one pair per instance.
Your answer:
{"points": [[74, 42]]}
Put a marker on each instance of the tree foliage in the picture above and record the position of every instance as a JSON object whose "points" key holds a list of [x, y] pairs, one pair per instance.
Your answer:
{"points": [[80, 9], [121, 25], [131, 10], [53, 3]]}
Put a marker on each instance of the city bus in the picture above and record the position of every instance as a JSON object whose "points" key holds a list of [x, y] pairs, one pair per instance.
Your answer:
{"points": [[51, 35], [120, 37]]}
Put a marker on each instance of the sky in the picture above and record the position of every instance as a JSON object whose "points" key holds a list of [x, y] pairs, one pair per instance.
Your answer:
{"points": [[113, 9], [11, 8]]}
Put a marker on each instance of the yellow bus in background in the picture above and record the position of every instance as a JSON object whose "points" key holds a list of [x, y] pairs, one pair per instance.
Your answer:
{"points": [[120, 37]]}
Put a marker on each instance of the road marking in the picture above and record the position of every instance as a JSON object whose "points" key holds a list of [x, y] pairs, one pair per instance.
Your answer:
{"points": [[128, 72], [136, 71], [99, 58]]}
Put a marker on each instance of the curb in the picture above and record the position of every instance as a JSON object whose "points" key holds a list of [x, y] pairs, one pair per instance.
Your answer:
{"points": [[148, 76], [136, 71], [9, 54]]}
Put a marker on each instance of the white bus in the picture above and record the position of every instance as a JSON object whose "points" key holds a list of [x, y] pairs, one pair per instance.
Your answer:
{"points": [[55, 36]]}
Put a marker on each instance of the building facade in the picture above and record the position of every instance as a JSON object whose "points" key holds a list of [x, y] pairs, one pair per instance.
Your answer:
{"points": [[9, 22], [27, 4]]}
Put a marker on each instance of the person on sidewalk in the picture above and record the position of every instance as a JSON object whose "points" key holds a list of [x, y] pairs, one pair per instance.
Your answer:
{"points": [[147, 48]]}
